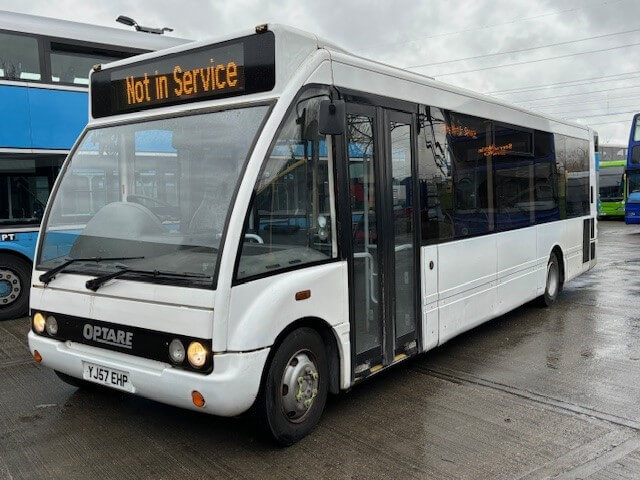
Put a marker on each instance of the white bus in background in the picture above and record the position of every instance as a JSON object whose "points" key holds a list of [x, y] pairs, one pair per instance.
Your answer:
{"points": [[332, 217]]}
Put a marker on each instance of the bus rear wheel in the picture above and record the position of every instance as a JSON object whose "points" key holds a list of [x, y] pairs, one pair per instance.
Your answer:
{"points": [[553, 282], [15, 280], [295, 387]]}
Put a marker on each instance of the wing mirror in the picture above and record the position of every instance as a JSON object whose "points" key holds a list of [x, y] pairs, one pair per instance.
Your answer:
{"points": [[331, 117]]}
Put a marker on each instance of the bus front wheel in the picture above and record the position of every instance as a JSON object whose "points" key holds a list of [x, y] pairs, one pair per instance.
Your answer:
{"points": [[15, 280], [295, 387], [553, 282]]}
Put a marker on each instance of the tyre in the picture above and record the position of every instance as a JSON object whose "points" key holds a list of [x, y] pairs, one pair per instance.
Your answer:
{"points": [[15, 282], [295, 387], [73, 381], [553, 283]]}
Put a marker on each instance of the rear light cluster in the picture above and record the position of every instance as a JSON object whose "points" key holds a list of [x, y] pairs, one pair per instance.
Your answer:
{"points": [[42, 324], [196, 353]]}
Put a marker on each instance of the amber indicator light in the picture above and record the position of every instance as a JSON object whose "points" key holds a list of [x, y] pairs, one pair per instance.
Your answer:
{"points": [[37, 357], [303, 295], [198, 399]]}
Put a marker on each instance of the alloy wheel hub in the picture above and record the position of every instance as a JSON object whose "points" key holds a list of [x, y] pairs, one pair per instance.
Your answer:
{"points": [[10, 287], [299, 386]]}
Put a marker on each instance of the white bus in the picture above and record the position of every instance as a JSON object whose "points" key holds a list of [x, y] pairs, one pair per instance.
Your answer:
{"points": [[329, 217]]}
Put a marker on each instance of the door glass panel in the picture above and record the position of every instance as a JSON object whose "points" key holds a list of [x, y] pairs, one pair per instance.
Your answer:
{"points": [[403, 228], [362, 192]]}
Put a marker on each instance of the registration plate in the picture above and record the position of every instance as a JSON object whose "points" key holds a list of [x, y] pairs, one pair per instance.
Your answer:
{"points": [[107, 376]]}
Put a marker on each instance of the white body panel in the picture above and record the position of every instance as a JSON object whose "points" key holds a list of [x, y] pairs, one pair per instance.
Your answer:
{"points": [[160, 307], [467, 284], [430, 306], [263, 308], [484, 277], [230, 390], [472, 280]]}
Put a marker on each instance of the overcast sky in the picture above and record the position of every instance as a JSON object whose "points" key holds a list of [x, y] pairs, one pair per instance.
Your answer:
{"points": [[410, 33]]}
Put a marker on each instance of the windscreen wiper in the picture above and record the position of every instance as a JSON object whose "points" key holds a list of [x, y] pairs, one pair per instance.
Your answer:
{"points": [[95, 283], [49, 275]]}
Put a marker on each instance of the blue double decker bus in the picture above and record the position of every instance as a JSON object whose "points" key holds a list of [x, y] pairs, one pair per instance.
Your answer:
{"points": [[632, 201], [44, 76]]}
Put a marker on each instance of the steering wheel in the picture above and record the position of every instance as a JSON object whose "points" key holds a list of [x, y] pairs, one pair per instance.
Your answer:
{"points": [[253, 237]]}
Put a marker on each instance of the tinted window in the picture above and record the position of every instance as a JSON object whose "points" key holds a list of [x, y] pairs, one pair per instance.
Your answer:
{"points": [[545, 188], [25, 184], [477, 176], [511, 139], [635, 155], [636, 134], [561, 168], [19, 58], [290, 221], [471, 151], [578, 194], [513, 177], [435, 177], [74, 67], [634, 183]]}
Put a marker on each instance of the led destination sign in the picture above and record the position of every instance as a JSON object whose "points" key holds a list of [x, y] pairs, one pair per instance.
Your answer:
{"points": [[237, 67], [222, 71]]}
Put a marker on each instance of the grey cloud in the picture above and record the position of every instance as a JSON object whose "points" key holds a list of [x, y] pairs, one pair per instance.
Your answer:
{"points": [[408, 33]]}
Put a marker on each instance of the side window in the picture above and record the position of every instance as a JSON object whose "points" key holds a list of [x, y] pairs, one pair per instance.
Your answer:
{"points": [[635, 155], [290, 220], [19, 57], [561, 168], [578, 195], [435, 177], [24, 189], [546, 179], [71, 66], [469, 140], [513, 170]]}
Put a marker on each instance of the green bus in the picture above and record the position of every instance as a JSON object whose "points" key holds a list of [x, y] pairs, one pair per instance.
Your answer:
{"points": [[611, 180]]}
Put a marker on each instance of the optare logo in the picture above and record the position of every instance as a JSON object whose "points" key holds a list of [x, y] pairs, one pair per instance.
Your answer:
{"points": [[108, 336]]}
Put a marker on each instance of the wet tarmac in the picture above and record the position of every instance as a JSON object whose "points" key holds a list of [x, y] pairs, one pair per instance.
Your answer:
{"points": [[537, 393]]}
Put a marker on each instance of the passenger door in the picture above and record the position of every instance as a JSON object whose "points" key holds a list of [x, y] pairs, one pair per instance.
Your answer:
{"points": [[379, 236]]}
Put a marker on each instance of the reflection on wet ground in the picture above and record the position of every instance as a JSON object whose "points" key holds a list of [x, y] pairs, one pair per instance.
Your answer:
{"points": [[537, 393]]}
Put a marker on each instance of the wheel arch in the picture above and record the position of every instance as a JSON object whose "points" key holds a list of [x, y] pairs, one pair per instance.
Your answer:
{"points": [[16, 251], [329, 338], [560, 256]]}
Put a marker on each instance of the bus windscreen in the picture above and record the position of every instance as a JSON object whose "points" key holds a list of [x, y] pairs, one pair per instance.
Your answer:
{"points": [[238, 67]]}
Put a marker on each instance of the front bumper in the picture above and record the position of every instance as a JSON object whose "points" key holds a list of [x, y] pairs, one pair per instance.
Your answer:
{"points": [[229, 390]]}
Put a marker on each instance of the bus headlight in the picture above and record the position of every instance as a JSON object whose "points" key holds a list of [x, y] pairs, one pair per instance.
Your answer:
{"points": [[52, 325], [197, 354], [176, 351], [39, 322]]}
